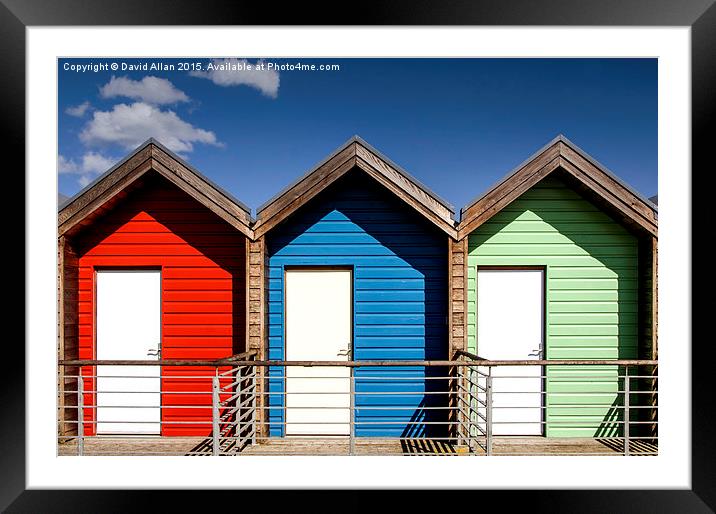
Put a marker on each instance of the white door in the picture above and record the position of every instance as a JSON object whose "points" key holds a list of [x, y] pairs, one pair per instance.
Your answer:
{"points": [[510, 326], [128, 328], [318, 328]]}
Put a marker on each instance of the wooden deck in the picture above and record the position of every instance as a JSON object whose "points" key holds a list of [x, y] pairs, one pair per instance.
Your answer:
{"points": [[193, 446]]}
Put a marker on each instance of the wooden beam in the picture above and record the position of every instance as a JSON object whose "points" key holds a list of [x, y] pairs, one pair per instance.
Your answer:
{"points": [[79, 207], [560, 154], [655, 299], [354, 155], [400, 182], [360, 364], [233, 216], [306, 184], [91, 201], [199, 184], [113, 185], [67, 333], [619, 199], [458, 295], [444, 224], [607, 183], [257, 319], [505, 193], [297, 199]]}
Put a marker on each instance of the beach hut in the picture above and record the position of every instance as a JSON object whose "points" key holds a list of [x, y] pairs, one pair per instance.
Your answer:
{"points": [[557, 261], [152, 264], [350, 263]]}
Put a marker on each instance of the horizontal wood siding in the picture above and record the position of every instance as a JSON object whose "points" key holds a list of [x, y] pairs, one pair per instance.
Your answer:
{"points": [[400, 293], [202, 259], [592, 300]]}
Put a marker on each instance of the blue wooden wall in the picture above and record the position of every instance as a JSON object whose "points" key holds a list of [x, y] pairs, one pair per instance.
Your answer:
{"points": [[400, 285]]}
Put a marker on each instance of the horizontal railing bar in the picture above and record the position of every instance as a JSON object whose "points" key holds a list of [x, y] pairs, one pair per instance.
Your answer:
{"points": [[163, 377], [367, 393], [409, 407], [356, 364]]}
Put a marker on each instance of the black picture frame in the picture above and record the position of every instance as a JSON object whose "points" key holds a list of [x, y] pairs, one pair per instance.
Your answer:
{"points": [[699, 15]]}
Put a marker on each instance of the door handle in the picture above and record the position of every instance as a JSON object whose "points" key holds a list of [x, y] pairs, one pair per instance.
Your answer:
{"points": [[343, 353], [154, 352], [537, 352]]}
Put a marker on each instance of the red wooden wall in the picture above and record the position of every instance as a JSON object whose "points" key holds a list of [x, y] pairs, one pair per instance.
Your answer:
{"points": [[203, 289]]}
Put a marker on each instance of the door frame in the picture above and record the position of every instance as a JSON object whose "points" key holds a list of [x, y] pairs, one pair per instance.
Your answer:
{"points": [[331, 267], [543, 269], [111, 268], [351, 349]]}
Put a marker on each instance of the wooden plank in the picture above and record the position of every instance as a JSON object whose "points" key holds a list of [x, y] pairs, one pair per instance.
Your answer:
{"points": [[199, 184], [67, 334], [447, 225], [93, 201], [404, 183], [655, 299], [257, 318], [458, 295], [623, 201], [62, 429], [77, 213], [326, 174], [201, 446], [607, 183], [509, 188], [80, 205], [234, 216], [307, 183], [275, 214], [620, 203], [494, 203], [358, 364]]}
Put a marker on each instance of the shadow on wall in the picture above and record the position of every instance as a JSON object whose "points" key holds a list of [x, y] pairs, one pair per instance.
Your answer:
{"points": [[610, 246], [388, 236], [158, 202], [199, 228]]}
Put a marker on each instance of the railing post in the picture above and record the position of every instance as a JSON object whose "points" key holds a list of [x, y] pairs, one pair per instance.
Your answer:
{"points": [[238, 379], [351, 441], [468, 407], [488, 410], [80, 415], [254, 405], [215, 412], [626, 410], [460, 402]]}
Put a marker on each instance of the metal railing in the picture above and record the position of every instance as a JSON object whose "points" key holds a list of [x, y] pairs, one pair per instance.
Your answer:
{"points": [[157, 407], [557, 407], [465, 406]]}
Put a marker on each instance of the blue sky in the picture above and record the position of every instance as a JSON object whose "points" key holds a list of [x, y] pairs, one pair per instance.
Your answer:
{"points": [[457, 125]]}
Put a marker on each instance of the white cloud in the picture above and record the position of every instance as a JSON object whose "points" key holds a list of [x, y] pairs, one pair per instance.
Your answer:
{"points": [[88, 167], [79, 110], [130, 125], [232, 72], [96, 163], [66, 165], [152, 90]]}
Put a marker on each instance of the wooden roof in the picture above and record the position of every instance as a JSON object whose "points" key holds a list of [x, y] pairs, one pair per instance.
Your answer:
{"points": [[112, 185], [356, 154], [569, 162]]}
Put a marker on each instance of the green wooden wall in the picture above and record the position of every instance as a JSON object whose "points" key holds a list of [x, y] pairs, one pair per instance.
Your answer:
{"points": [[591, 307]]}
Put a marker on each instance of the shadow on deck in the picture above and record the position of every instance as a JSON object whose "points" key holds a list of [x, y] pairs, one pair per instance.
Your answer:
{"points": [[196, 446]]}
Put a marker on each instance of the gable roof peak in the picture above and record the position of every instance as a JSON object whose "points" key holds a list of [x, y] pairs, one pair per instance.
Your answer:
{"points": [[561, 153], [356, 153], [148, 156]]}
